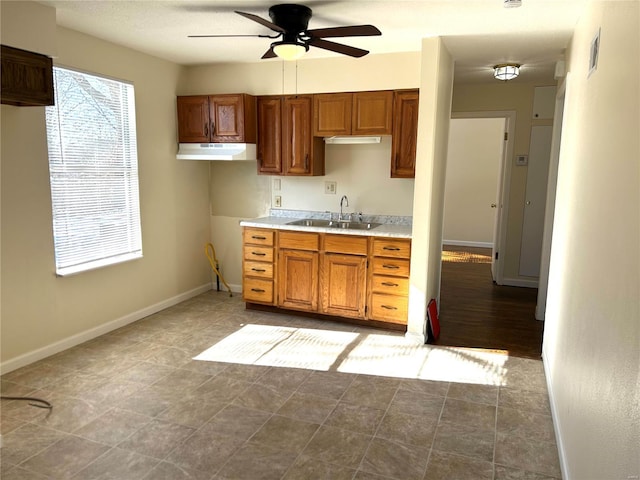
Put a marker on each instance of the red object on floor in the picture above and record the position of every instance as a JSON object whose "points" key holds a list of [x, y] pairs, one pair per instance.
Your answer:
{"points": [[433, 324]]}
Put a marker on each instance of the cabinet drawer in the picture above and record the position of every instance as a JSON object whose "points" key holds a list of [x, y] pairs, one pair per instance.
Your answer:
{"points": [[346, 244], [390, 285], [258, 236], [389, 308], [257, 290], [258, 269], [390, 266], [261, 254], [390, 247], [299, 240]]}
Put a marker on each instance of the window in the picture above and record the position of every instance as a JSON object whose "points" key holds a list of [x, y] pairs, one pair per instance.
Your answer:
{"points": [[93, 165]]}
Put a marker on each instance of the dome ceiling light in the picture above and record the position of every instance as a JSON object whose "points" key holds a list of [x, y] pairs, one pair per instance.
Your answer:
{"points": [[506, 71]]}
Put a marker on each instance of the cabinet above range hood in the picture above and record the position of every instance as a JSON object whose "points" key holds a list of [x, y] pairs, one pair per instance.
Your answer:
{"points": [[216, 151]]}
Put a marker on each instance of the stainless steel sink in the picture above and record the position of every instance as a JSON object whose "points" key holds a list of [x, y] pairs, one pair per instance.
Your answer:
{"points": [[313, 222]]}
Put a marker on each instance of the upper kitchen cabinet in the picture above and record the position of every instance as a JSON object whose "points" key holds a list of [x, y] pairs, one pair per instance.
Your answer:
{"points": [[405, 133], [359, 113], [27, 78], [286, 145], [229, 118], [332, 114], [270, 135]]}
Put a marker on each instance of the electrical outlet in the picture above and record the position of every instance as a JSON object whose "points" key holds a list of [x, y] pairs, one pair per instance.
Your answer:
{"points": [[277, 201], [330, 188]]}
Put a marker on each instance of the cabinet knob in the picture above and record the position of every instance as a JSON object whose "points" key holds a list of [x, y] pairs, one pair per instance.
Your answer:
{"points": [[206, 130]]}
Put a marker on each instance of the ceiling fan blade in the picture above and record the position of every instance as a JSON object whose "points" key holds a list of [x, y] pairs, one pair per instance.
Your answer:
{"points": [[348, 31], [338, 47], [224, 36], [269, 54], [261, 21]]}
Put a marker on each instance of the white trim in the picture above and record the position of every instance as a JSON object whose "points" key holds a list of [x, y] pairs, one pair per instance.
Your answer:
{"points": [[417, 338], [466, 243], [564, 470], [519, 282], [72, 341]]}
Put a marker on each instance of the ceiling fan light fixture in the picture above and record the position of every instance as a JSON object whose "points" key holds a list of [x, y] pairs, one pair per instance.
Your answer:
{"points": [[289, 50], [506, 71]]}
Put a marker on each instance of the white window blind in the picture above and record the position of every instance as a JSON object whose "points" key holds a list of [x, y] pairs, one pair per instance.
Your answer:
{"points": [[93, 165]]}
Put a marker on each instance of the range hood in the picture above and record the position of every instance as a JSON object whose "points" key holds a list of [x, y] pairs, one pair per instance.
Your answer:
{"points": [[216, 151], [350, 140]]}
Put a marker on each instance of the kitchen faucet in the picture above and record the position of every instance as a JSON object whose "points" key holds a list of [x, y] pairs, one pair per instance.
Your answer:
{"points": [[344, 202]]}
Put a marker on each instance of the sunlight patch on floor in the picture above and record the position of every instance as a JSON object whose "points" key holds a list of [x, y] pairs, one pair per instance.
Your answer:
{"points": [[361, 353], [464, 257]]}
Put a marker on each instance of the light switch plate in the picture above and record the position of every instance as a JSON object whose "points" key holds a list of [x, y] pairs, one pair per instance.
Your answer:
{"points": [[522, 160], [330, 188]]}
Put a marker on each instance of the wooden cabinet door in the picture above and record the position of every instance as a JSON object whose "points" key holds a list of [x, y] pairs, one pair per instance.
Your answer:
{"points": [[226, 113], [193, 119], [332, 114], [343, 281], [372, 113], [269, 135], [298, 280], [296, 134], [405, 134]]}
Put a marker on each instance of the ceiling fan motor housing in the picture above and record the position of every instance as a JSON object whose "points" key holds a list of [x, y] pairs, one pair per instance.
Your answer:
{"points": [[294, 19]]}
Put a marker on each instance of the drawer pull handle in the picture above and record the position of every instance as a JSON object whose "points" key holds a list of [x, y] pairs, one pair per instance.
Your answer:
{"points": [[259, 254], [389, 307], [258, 290], [389, 284], [395, 249], [258, 237], [258, 269], [392, 267]]}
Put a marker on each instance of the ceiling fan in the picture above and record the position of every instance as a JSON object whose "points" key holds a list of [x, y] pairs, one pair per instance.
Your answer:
{"points": [[290, 21]]}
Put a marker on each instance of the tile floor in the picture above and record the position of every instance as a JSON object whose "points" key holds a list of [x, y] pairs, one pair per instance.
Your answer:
{"points": [[311, 400]]}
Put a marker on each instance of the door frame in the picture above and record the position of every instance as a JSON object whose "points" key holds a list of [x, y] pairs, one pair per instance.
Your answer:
{"points": [[504, 182]]}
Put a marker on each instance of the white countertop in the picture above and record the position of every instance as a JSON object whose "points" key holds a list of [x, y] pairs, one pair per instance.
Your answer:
{"points": [[384, 230]]}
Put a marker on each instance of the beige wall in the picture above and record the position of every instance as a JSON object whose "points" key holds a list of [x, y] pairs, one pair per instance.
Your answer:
{"points": [[361, 171], [518, 97], [471, 185], [42, 313], [29, 26], [431, 158], [592, 330]]}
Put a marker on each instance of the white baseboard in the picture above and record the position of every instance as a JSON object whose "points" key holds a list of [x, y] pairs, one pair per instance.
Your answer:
{"points": [[519, 282], [465, 243], [556, 423], [72, 341]]}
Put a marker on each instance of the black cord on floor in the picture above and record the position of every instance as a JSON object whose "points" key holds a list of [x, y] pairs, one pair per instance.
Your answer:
{"points": [[42, 404]]}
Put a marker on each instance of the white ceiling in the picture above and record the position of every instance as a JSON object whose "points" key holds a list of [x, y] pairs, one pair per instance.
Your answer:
{"points": [[478, 33]]}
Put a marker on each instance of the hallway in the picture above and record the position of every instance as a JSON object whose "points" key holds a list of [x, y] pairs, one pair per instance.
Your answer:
{"points": [[474, 312]]}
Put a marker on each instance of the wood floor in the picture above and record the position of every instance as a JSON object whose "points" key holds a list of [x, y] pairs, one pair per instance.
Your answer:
{"points": [[474, 312]]}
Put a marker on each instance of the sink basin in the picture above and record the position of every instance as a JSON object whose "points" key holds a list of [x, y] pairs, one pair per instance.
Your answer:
{"points": [[314, 222]]}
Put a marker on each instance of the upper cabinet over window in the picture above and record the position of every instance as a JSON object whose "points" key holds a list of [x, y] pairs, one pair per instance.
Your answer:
{"points": [[227, 118], [359, 113]]}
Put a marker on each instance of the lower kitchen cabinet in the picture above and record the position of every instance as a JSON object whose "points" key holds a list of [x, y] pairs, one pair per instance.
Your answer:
{"points": [[349, 276], [389, 280], [298, 265], [258, 265], [343, 279]]}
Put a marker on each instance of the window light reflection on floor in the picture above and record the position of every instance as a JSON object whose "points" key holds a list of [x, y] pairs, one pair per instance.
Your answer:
{"points": [[361, 353]]}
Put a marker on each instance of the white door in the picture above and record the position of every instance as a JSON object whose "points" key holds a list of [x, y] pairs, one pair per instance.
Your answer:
{"points": [[535, 200]]}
